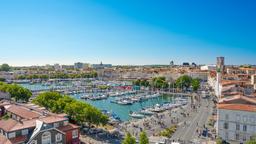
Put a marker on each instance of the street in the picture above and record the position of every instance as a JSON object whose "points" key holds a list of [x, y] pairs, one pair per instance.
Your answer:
{"points": [[190, 127]]}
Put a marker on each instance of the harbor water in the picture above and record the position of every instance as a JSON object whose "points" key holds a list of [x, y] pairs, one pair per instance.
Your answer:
{"points": [[122, 111]]}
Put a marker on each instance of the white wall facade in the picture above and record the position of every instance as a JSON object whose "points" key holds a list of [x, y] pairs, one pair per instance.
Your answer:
{"points": [[241, 125], [208, 67]]}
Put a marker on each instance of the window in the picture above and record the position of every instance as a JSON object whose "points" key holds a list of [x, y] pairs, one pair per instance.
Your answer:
{"points": [[237, 136], [244, 128], [56, 125], [226, 117], [245, 119], [65, 123], [58, 137], [238, 118], [225, 125], [251, 119], [75, 134], [24, 132], [11, 135], [237, 127], [46, 138]]}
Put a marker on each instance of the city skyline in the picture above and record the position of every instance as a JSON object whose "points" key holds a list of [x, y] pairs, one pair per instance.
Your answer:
{"points": [[127, 32]]}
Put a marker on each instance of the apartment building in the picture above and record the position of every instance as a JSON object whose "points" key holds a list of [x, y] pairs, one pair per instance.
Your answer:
{"points": [[28, 123], [236, 118]]}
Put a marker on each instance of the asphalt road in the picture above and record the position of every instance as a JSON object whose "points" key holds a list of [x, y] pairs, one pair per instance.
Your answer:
{"points": [[187, 131]]}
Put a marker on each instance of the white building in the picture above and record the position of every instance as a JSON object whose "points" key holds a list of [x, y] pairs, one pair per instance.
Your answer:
{"points": [[57, 67], [236, 119], [208, 67]]}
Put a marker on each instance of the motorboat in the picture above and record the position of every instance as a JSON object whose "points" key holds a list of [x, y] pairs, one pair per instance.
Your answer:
{"points": [[146, 112], [136, 115], [124, 102]]}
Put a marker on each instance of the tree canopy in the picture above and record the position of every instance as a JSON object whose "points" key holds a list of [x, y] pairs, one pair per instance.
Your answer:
{"points": [[16, 92], [57, 75], [195, 84], [185, 82], [140, 82], [5, 67], [143, 138], [129, 139], [159, 82], [80, 112]]}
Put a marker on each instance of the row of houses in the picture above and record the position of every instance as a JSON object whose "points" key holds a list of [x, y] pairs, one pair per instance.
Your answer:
{"points": [[29, 123], [236, 108]]}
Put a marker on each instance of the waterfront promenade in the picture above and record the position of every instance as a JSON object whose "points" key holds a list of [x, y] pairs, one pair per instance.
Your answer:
{"points": [[191, 127], [156, 123], [190, 122]]}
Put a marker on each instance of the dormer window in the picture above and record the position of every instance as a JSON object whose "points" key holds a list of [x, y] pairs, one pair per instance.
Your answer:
{"points": [[56, 125], [65, 123], [24, 132], [11, 135]]}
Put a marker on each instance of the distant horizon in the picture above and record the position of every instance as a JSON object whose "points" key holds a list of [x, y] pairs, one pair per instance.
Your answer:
{"points": [[127, 32], [153, 64]]}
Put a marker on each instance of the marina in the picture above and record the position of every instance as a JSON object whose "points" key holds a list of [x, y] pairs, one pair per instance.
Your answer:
{"points": [[120, 102]]}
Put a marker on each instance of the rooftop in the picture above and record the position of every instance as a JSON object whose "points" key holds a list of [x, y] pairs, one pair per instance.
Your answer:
{"points": [[68, 127], [4, 140], [239, 107], [52, 119], [22, 112], [13, 125]]}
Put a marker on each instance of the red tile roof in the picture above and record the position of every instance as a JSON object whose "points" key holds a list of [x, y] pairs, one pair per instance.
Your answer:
{"points": [[52, 119], [4, 140], [239, 98], [23, 112], [68, 127], [239, 107], [12, 125], [7, 125]]}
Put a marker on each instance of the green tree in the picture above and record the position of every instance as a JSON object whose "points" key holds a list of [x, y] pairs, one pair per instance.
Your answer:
{"points": [[5, 67], [61, 103], [2, 79], [78, 111], [195, 84], [47, 99], [159, 82], [143, 138], [219, 141], [184, 82], [4, 87], [92, 116], [19, 93], [129, 139]]}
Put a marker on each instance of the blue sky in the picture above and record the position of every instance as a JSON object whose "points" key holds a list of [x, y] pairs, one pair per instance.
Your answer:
{"points": [[37, 32]]}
